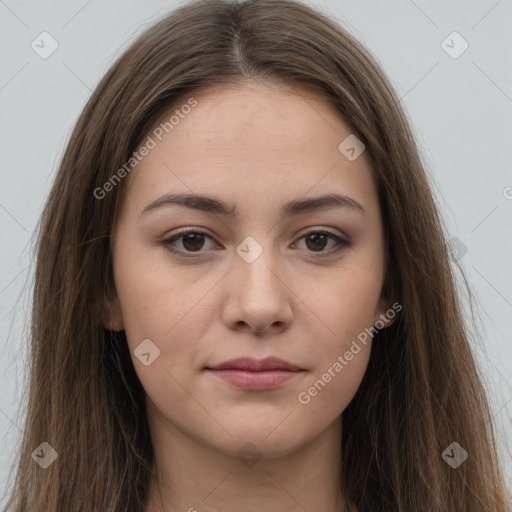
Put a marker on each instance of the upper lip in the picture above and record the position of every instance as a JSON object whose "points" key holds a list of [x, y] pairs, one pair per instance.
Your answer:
{"points": [[247, 363]]}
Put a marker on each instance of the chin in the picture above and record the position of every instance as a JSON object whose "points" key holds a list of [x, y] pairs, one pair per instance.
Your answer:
{"points": [[262, 440]]}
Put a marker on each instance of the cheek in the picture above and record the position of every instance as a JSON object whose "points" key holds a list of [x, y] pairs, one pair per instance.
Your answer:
{"points": [[347, 307], [163, 307], [332, 387], [340, 362], [348, 303], [342, 345], [155, 300]]}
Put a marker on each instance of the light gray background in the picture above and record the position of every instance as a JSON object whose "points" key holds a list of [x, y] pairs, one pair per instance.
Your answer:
{"points": [[460, 109]]}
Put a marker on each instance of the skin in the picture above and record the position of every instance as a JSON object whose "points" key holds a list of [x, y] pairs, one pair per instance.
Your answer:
{"points": [[259, 146]]}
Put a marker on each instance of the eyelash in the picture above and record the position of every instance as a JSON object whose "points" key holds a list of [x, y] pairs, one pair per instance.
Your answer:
{"points": [[342, 244]]}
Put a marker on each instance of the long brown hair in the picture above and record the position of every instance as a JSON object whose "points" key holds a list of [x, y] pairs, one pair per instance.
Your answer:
{"points": [[421, 391]]}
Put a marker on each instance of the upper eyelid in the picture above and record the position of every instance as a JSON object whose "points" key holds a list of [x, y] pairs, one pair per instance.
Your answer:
{"points": [[201, 231]]}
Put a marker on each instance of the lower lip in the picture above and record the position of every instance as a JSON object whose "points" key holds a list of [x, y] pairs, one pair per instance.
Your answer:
{"points": [[266, 379]]}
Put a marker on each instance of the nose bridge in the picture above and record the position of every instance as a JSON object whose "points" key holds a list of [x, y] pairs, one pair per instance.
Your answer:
{"points": [[256, 294], [255, 267]]}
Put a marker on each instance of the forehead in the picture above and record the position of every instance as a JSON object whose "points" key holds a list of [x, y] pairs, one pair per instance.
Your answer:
{"points": [[248, 113], [267, 139]]}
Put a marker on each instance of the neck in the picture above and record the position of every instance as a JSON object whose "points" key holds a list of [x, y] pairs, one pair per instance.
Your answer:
{"points": [[196, 477]]}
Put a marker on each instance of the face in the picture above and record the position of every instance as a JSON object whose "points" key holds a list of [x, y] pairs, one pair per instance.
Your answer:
{"points": [[260, 279]]}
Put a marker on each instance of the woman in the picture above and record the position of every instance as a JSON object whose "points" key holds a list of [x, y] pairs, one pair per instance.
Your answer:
{"points": [[243, 295]]}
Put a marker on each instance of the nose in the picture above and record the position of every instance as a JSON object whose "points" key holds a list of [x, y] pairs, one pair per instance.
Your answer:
{"points": [[258, 297]]}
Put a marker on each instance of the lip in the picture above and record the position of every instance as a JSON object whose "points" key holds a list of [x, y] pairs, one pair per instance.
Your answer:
{"points": [[247, 373], [255, 365]]}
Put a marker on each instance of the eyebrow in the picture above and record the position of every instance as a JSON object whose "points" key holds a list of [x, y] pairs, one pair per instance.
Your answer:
{"points": [[214, 205]]}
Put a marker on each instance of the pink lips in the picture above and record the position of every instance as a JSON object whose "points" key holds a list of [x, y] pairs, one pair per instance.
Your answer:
{"points": [[248, 373]]}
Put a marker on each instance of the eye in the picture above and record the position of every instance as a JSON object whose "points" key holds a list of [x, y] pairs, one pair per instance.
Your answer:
{"points": [[317, 240], [192, 241]]}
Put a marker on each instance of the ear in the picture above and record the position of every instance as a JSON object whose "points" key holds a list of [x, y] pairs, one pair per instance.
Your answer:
{"points": [[114, 315], [386, 313]]}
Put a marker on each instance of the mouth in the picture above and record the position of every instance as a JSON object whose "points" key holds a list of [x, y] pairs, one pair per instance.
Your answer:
{"points": [[251, 374]]}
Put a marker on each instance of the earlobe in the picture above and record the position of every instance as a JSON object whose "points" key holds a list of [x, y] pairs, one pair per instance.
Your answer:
{"points": [[115, 317], [387, 313]]}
